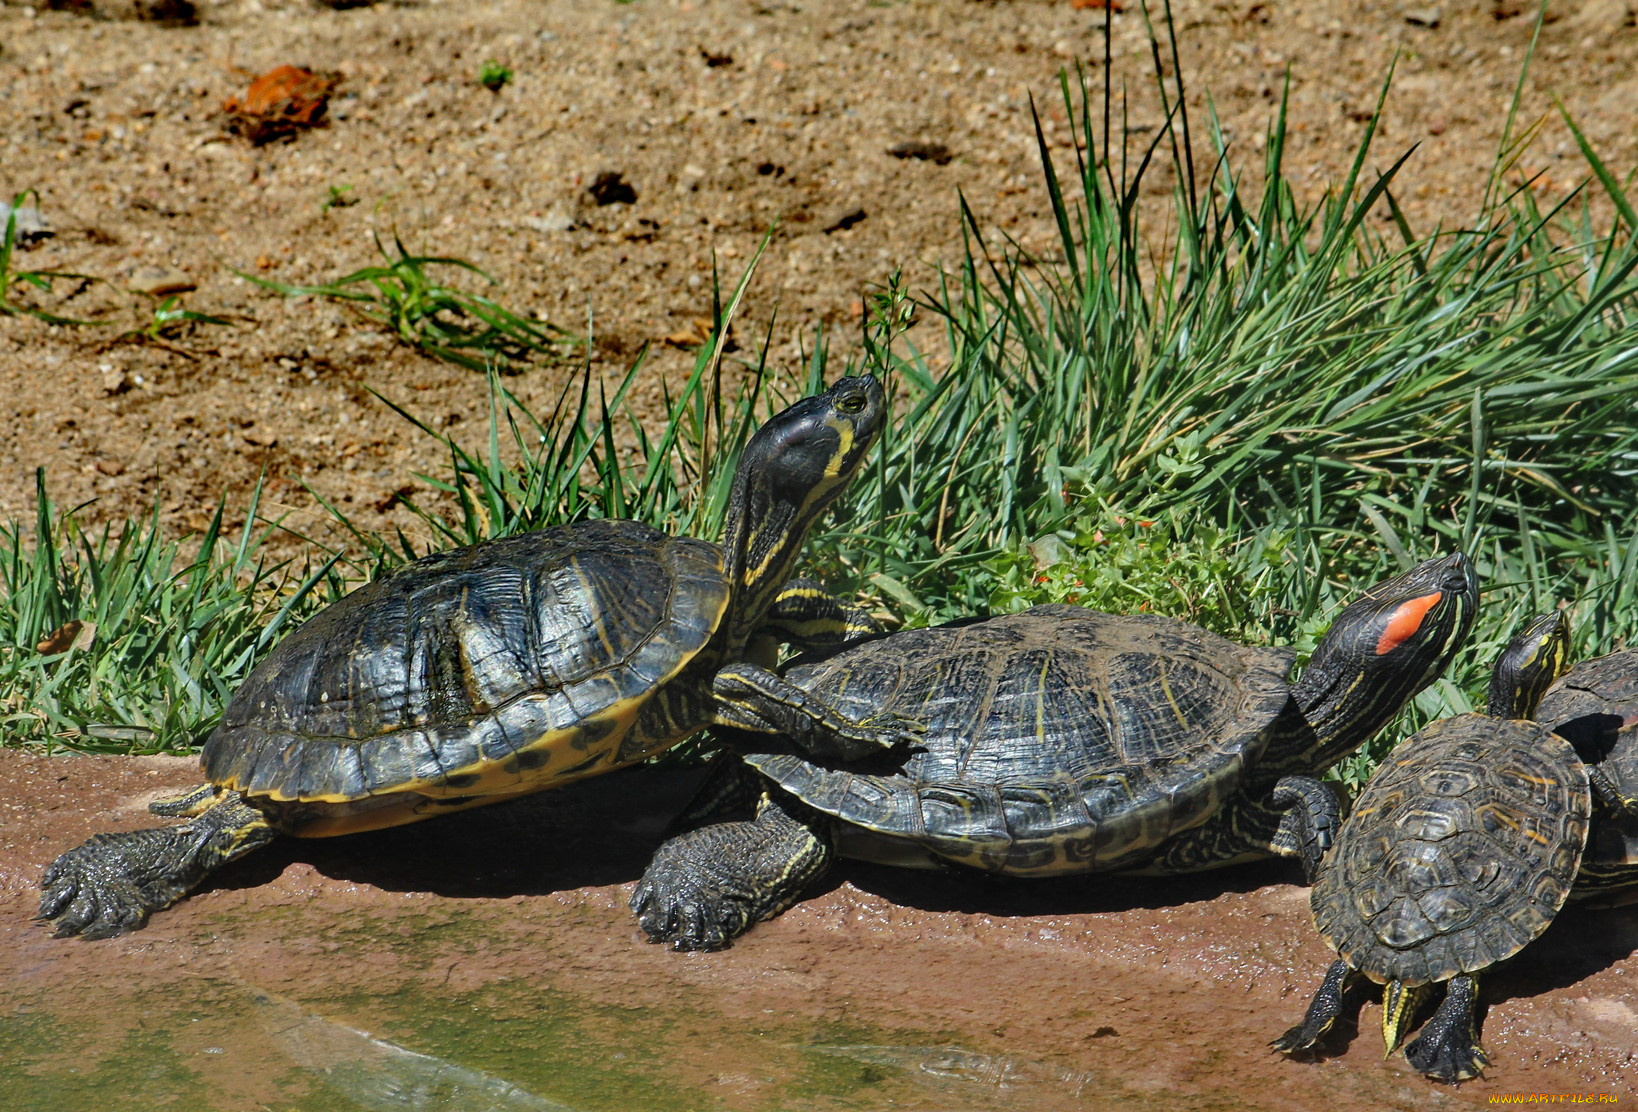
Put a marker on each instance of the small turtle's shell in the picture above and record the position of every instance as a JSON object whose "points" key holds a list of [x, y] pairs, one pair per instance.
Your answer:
{"points": [[1059, 740], [1595, 707], [1458, 853], [491, 670]]}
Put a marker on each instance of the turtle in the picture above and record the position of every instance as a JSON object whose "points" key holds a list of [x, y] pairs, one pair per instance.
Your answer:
{"points": [[505, 668], [1058, 740], [1459, 852], [1595, 708]]}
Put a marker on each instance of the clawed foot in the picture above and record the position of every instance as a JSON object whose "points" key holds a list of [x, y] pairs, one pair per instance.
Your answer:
{"points": [[111, 883], [690, 902], [1448, 1059], [885, 732], [107, 886]]}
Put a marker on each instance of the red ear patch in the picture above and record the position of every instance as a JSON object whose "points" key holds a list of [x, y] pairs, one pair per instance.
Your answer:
{"points": [[1404, 623]]}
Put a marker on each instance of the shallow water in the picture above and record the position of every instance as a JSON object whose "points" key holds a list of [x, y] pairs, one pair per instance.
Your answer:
{"points": [[505, 1048]]}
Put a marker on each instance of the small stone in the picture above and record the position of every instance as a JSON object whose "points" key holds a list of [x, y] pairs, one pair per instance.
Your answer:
{"points": [[936, 153], [160, 281], [555, 219], [29, 226], [1608, 16], [1423, 17]]}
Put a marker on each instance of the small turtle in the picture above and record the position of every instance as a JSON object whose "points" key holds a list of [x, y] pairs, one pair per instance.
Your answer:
{"points": [[506, 668], [1459, 852], [1595, 708], [1058, 741]]}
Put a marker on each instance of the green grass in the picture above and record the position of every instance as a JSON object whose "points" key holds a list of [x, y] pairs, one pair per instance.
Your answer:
{"points": [[11, 276], [1241, 409], [121, 640], [423, 312]]}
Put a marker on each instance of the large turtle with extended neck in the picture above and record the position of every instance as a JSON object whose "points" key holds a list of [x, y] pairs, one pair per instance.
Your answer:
{"points": [[1058, 741], [1459, 852], [506, 668]]}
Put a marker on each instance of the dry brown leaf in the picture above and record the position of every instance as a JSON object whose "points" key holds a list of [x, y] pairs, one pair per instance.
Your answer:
{"points": [[279, 103], [71, 635]]}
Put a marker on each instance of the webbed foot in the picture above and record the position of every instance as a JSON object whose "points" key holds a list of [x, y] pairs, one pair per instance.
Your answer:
{"points": [[708, 886], [111, 883]]}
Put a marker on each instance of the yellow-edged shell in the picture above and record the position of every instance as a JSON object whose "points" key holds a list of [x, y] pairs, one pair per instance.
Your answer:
{"points": [[470, 676]]}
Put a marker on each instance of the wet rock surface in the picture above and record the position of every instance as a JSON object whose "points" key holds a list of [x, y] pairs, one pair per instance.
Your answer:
{"points": [[487, 959]]}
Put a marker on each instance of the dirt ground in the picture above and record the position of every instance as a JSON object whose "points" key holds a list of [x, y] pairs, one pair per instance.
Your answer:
{"points": [[725, 119], [923, 991]]}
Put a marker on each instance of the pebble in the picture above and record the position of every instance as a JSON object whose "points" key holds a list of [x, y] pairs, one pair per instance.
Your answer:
{"points": [[30, 227], [160, 281]]}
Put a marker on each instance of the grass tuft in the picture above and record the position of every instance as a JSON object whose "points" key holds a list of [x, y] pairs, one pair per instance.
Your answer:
{"points": [[460, 327]]}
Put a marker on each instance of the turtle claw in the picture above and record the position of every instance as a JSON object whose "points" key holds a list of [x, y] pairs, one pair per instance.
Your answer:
{"points": [[96, 891], [1448, 1060], [889, 731], [111, 883], [681, 907]]}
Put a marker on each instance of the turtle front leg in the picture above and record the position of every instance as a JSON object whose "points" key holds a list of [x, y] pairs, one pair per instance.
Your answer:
{"points": [[1322, 1012], [1448, 1048], [753, 698], [806, 616], [1311, 820], [111, 883], [707, 886]]}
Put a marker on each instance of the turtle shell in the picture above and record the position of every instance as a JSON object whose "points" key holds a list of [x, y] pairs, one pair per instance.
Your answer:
{"points": [[1059, 740], [488, 671], [1595, 707], [1458, 853]]}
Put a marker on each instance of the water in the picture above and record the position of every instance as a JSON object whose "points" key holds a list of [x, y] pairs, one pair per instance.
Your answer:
{"points": [[220, 1043]]}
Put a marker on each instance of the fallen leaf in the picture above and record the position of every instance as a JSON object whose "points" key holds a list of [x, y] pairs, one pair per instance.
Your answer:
{"points": [[693, 335], [71, 635], [280, 103]]}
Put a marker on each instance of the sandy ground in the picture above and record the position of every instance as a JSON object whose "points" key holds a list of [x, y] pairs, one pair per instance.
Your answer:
{"points": [[509, 924]]}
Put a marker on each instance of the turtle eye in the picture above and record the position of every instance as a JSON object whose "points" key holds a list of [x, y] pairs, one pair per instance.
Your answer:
{"points": [[851, 404]]}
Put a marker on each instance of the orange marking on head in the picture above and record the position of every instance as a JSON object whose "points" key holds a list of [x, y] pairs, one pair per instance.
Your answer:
{"points": [[1406, 620]]}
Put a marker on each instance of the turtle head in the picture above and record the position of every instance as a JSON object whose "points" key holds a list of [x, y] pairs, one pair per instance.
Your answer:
{"points": [[1528, 666], [793, 469], [1381, 650]]}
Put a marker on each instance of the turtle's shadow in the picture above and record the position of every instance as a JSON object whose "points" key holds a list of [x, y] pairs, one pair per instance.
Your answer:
{"points": [[594, 833], [1578, 944], [974, 892]]}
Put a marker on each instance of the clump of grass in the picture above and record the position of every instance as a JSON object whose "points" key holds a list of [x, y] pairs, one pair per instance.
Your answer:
{"points": [[124, 641], [39, 279], [456, 325]]}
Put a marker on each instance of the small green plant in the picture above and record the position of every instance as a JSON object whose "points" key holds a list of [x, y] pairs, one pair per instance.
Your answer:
{"points": [[494, 76], [39, 279], [463, 328], [338, 196], [167, 323]]}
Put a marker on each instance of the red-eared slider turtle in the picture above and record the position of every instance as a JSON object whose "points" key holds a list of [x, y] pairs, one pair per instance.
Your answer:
{"points": [[1595, 709], [503, 669], [1459, 852], [1058, 741]]}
